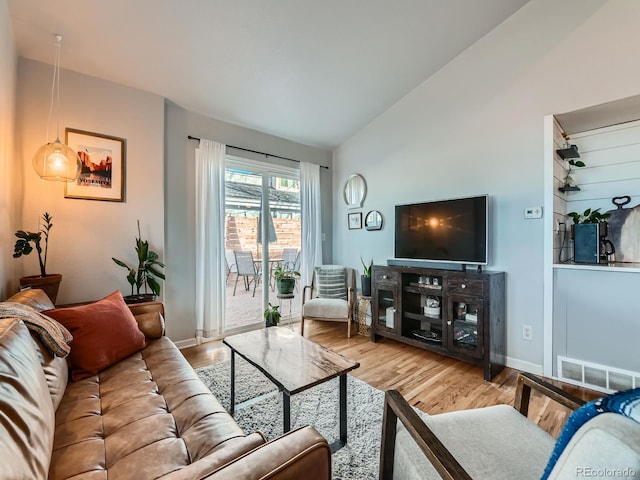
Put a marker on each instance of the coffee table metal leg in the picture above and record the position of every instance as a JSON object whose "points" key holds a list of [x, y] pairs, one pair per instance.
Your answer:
{"points": [[343, 409], [232, 399], [286, 407]]}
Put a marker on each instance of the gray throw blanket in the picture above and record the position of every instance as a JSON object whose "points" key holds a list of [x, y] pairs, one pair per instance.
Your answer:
{"points": [[52, 334]]}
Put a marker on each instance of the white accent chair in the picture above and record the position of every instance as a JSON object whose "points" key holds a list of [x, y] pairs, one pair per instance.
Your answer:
{"points": [[500, 442], [315, 307]]}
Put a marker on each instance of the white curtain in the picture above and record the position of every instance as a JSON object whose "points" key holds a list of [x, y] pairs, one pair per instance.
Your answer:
{"points": [[209, 254], [310, 204]]}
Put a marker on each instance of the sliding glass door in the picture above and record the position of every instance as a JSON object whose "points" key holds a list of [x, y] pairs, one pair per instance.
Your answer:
{"points": [[254, 248]]}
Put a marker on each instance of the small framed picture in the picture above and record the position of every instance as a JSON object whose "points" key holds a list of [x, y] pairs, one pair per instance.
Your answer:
{"points": [[355, 220], [103, 166]]}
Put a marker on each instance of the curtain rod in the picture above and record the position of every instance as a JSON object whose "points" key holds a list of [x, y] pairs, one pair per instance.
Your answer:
{"points": [[259, 153]]}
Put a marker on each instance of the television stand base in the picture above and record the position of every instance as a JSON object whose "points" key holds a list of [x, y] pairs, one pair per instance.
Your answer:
{"points": [[478, 269]]}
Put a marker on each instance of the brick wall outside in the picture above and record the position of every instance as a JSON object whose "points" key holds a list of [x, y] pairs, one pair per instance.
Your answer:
{"points": [[241, 234]]}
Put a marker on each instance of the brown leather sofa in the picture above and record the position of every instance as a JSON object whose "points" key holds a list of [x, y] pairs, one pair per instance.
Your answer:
{"points": [[148, 416]]}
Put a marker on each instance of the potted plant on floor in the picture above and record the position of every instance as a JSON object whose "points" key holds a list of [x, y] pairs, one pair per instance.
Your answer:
{"points": [[285, 279], [272, 316], [50, 283], [145, 276], [365, 278]]}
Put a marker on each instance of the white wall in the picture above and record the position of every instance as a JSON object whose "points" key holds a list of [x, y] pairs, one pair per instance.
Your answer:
{"points": [[476, 126], [87, 233], [180, 199], [8, 204]]}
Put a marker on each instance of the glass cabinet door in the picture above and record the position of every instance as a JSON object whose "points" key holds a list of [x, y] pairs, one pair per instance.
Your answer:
{"points": [[465, 326], [387, 314]]}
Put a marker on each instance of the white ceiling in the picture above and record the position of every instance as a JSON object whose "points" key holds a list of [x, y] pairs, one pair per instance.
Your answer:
{"points": [[312, 71]]}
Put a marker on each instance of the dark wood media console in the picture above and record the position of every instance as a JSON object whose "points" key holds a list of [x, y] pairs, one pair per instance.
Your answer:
{"points": [[469, 323]]}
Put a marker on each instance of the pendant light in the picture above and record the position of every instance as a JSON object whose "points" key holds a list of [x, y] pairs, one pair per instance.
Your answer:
{"points": [[56, 161]]}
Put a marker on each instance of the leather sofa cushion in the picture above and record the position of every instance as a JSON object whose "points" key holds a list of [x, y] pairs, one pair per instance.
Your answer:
{"points": [[145, 417], [33, 297], [26, 410], [56, 372], [104, 332]]}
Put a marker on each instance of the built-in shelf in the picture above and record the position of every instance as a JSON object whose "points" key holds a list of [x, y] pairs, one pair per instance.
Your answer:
{"points": [[603, 267]]}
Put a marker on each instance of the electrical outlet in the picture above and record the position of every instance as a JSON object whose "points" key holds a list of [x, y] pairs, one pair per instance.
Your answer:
{"points": [[556, 229], [527, 332]]}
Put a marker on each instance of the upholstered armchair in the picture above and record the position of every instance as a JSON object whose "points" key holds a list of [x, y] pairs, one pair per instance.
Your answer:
{"points": [[330, 296], [500, 442]]}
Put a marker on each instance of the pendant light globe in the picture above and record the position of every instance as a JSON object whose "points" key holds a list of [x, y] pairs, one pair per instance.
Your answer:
{"points": [[57, 162]]}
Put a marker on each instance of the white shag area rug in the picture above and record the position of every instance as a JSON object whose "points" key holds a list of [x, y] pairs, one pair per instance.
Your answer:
{"points": [[318, 406]]}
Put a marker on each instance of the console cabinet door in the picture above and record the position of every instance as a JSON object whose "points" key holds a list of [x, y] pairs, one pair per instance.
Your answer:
{"points": [[386, 307], [465, 324]]}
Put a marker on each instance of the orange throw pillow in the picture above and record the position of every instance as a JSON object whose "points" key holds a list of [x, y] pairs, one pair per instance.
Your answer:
{"points": [[103, 332]]}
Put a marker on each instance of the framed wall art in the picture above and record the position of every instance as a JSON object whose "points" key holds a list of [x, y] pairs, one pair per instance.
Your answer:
{"points": [[355, 220], [103, 166]]}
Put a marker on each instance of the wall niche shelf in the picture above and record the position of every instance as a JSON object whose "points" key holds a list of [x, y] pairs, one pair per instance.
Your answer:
{"points": [[569, 189]]}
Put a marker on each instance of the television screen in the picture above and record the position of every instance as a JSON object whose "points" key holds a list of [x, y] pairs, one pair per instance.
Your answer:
{"points": [[453, 231]]}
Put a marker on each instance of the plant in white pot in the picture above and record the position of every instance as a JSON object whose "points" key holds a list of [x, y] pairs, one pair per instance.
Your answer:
{"points": [[50, 283], [145, 275]]}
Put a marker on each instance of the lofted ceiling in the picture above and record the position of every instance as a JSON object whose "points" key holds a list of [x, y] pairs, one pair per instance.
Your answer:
{"points": [[311, 71]]}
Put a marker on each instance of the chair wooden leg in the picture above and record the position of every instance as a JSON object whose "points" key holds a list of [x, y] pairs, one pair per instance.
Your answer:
{"points": [[349, 328], [302, 327]]}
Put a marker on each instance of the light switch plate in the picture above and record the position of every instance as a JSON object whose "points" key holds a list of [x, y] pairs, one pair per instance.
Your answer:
{"points": [[533, 212]]}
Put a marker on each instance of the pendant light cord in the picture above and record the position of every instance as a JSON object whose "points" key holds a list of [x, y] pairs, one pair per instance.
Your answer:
{"points": [[55, 90]]}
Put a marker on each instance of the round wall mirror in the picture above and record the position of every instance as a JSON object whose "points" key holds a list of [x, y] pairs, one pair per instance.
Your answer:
{"points": [[373, 220], [355, 189]]}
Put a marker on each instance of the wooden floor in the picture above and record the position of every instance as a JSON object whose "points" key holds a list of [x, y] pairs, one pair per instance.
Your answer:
{"points": [[429, 381]]}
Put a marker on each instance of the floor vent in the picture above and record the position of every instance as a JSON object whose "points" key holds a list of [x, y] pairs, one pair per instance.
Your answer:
{"points": [[597, 377]]}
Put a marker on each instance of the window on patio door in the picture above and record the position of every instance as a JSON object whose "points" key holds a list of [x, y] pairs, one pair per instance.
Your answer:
{"points": [[253, 191]]}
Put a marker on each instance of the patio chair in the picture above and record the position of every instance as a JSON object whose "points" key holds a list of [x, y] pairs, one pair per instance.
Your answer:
{"points": [[331, 296], [500, 442], [290, 260], [246, 268], [230, 263]]}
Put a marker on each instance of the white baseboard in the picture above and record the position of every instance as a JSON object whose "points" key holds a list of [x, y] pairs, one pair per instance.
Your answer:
{"points": [[524, 366], [189, 342]]}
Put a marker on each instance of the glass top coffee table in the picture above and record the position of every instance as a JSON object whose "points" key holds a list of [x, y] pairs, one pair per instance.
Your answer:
{"points": [[293, 364]]}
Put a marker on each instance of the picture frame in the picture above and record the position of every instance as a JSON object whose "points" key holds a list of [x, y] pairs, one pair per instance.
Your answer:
{"points": [[355, 220], [103, 166]]}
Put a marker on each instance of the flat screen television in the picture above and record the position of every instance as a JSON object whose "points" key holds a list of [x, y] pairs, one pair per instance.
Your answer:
{"points": [[450, 231]]}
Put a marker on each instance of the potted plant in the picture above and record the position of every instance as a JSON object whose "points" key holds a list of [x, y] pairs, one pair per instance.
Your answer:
{"points": [[50, 283], [272, 316], [587, 217], [591, 228], [365, 278], [145, 276], [285, 279]]}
